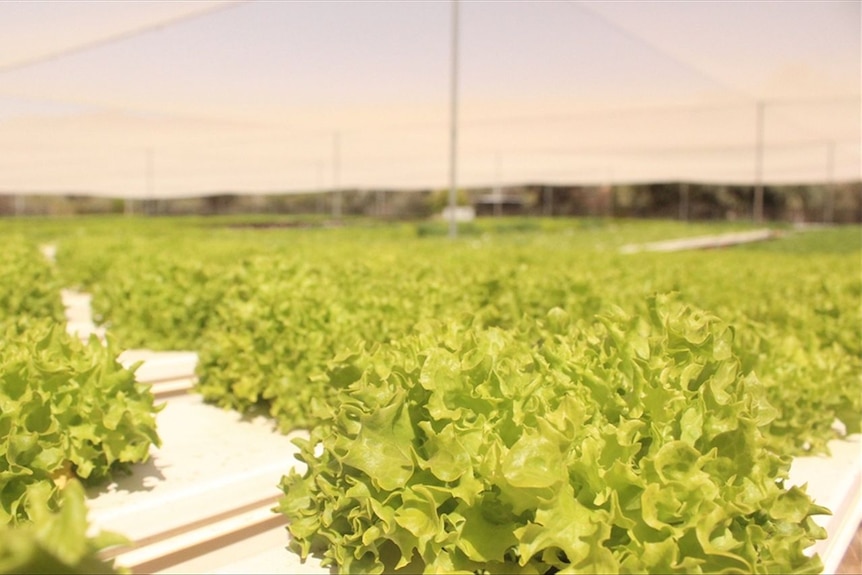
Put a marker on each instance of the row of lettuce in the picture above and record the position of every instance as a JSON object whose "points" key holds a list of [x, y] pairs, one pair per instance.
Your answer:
{"points": [[468, 399], [69, 413], [631, 444], [525, 399], [267, 312]]}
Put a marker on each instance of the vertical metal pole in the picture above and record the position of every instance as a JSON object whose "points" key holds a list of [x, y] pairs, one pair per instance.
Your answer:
{"points": [[549, 201], [128, 206], [498, 190], [380, 200], [453, 125], [829, 204], [758, 165], [336, 167], [321, 205], [683, 201], [150, 176], [610, 191]]}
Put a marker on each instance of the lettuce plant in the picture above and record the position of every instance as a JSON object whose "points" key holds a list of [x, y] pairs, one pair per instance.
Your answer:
{"points": [[631, 444], [165, 304], [56, 541], [30, 288], [67, 410]]}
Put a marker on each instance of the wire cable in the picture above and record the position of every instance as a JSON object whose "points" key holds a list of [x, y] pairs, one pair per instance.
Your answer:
{"points": [[640, 39], [119, 37], [631, 34]]}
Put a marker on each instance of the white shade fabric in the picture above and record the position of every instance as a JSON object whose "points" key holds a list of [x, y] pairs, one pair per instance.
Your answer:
{"points": [[172, 99]]}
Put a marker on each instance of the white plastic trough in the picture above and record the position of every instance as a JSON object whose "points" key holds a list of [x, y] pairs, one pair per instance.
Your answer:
{"points": [[212, 485], [168, 372], [79, 315], [701, 242], [834, 482]]}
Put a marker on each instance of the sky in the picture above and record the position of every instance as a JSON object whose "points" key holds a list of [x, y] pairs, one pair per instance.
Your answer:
{"points": [[163, 99]]}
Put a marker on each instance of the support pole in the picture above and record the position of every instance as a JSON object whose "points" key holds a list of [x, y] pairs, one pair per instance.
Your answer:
{"points": [[149, 182], [453, 126], [380, 200], [683, 201], [609, 190], [758, 165], [336, 168], [498, 190], [829, 203]]}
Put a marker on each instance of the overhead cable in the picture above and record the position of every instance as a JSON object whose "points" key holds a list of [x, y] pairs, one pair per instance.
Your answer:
{"points": [[640, 39], [118, 37], [691, 66]]}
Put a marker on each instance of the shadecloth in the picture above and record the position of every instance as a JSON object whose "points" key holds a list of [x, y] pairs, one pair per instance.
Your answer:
{"points": [[155, 100]]}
